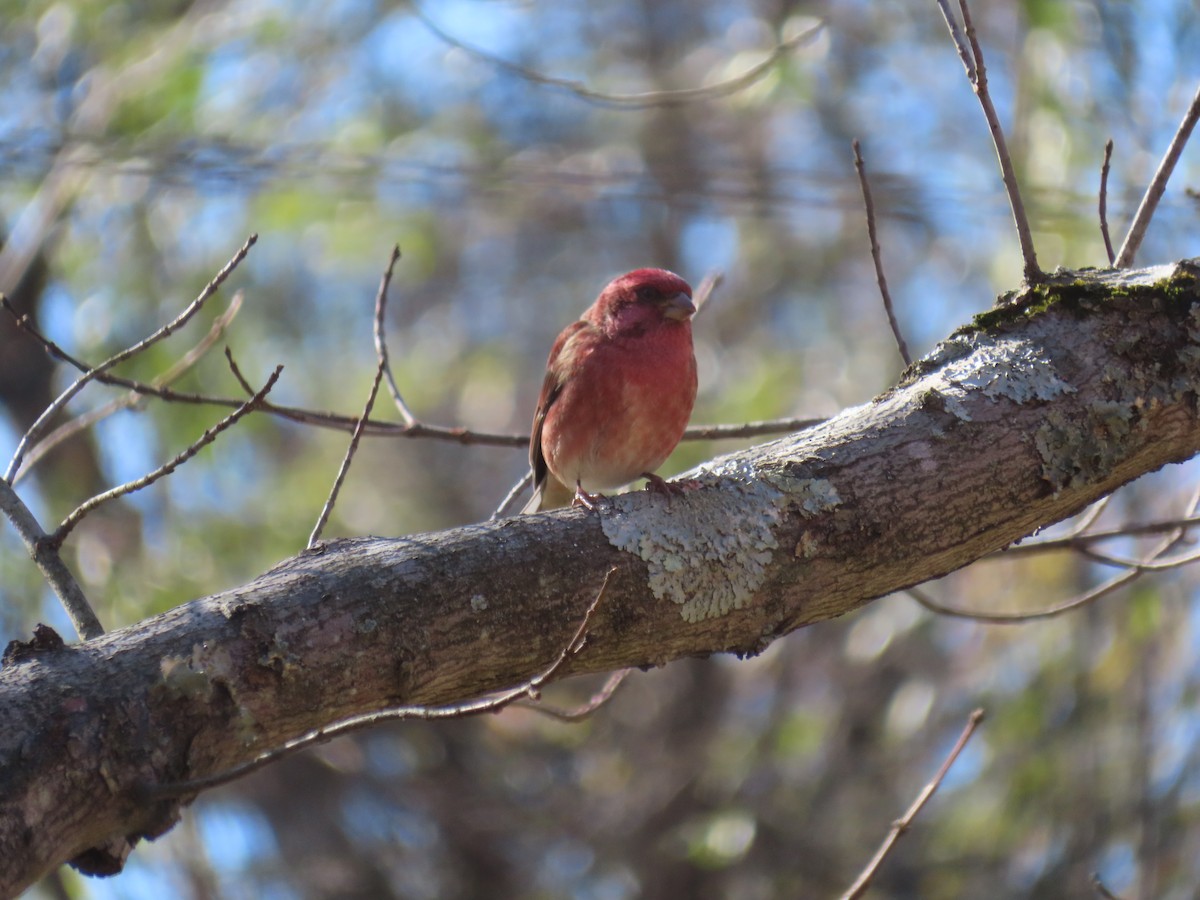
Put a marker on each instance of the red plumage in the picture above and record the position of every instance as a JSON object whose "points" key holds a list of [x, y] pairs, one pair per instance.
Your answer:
{"points": [[618, 392]]}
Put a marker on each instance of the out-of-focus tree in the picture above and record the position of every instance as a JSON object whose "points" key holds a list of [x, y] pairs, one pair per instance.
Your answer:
{"points": [[141, 142]]}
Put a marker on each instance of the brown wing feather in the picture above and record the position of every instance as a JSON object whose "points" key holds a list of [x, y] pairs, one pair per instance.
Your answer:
{"points": [[551, 388]]}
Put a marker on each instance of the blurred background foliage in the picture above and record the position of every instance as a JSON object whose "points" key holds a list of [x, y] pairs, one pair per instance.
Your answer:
{"points": [[141, 142]]}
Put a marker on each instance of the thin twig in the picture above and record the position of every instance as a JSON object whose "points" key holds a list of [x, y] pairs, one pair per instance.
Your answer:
{"points": [[977, 75], [493, 704], [36, 429], [377, 428], [1077, 541], [904, 822], [876, 256], [704, 290], [583, 711], [1108, 247], [1127, 562], [1089, 517], [1134, 570], [644, 100], [1007, 618], [380, 306], [53, 569], [381, 351], [1145, 211], [510, 498], [133, 398], [68, 524]]}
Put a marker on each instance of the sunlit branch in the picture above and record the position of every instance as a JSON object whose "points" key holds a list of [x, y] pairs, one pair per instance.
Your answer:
{"points": [[1154, 192], [584, 710], [530, 689]]}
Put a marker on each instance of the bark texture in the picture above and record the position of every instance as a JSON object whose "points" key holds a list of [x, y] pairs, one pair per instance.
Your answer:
{"points": [[1043, 405]]}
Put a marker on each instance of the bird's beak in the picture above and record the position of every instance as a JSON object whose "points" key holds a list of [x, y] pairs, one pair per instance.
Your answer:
{"points": [[680, 307]]}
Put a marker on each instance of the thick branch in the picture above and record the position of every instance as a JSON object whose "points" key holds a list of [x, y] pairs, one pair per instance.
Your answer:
{"points": [[1075, 387]]}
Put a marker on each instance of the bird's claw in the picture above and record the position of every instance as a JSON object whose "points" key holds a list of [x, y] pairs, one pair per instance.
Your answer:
{"points": [[586, 500]]}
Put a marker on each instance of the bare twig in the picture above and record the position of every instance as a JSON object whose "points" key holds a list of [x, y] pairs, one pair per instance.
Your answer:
{"points": [[972, 60], [530, 689], [875, 253], [1133, 569], [45, 555], [645, 100], [1108, 247], [579, 713], [510, 498], [904, 822], [381, 351], [380, 306], [68, 524], [36, 429], [1127, 562], [1077, 541], [1007, 618], [704, 290], [133, 398], [376, 428], [1145, 211]]}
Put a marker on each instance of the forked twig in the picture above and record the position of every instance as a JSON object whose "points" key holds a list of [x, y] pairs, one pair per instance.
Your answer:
{"points": [[1154, 192], [971, 55], [76, 516], [584, 710], [86, 420], [374, 427], [1133, 570], [381, 351], [876, 256], [530, 689], [904, 822], [356, 436], [36, 429]]}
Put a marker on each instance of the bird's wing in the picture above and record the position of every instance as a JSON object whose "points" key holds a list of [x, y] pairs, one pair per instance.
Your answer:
{"points": [[551, 388]]}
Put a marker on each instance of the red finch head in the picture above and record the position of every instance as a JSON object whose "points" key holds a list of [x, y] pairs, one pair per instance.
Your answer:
{"points": [[619, 388]]}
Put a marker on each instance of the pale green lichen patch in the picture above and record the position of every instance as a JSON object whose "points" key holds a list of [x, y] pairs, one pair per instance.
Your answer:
{"points": [[709, 550], [998, 367], [1076, 451], [703, 551]]}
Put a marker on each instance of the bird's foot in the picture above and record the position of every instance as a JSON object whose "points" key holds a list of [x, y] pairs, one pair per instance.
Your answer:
{"points": [[659, 485], [586, 500]]}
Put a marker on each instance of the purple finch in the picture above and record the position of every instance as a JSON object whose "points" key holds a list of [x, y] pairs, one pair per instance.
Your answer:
{"points": [[619, 388]]}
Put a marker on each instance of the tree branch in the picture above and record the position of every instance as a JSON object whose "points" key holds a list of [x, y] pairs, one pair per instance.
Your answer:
{"points": [[1018, 421]]}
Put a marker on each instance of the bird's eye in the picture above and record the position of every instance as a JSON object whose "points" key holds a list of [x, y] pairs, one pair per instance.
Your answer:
{"points": [[647, 293]]}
